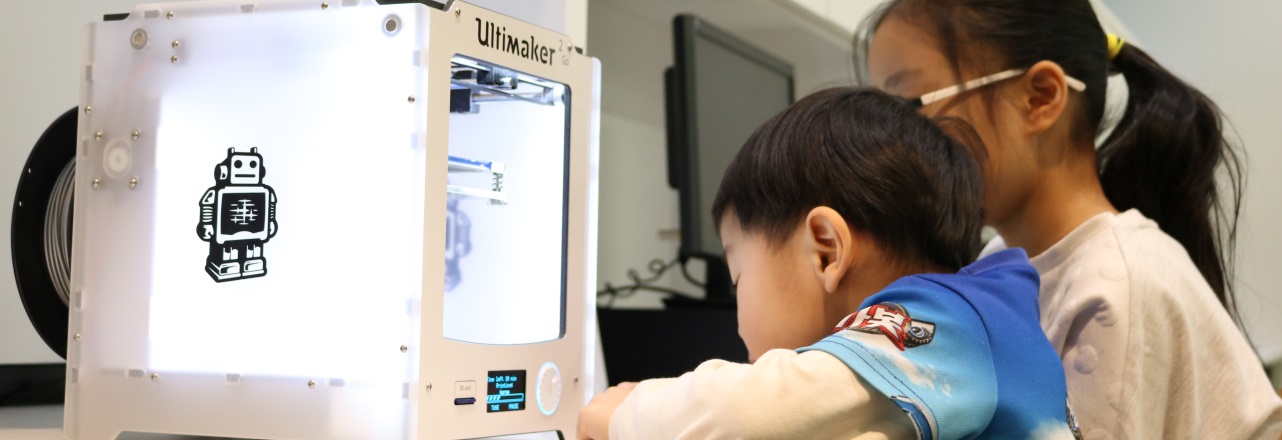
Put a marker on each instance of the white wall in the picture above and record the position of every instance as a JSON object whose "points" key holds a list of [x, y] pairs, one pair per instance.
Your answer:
{"points": [[634, 42], [845, 16], [565, 16], [1227, 49]]}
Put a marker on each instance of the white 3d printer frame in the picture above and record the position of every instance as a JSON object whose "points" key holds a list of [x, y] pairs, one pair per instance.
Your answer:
{"points": [[328, 319]]}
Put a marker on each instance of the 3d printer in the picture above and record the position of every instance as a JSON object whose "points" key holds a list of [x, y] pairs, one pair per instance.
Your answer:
{"points": [[394, 216]]}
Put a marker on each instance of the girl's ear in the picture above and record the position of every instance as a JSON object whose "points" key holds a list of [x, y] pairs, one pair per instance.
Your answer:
{"points": [[1046, 96], [828, 246]]}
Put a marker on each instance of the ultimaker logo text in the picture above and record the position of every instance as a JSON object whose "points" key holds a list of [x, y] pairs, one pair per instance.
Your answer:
{"points": [[495, 36]]}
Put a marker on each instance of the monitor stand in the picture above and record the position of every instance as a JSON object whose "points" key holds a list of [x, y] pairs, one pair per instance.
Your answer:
{"points": [[718, 289]]}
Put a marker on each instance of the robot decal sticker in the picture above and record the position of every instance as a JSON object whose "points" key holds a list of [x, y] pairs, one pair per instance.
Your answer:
{"points": [[237, 215]]}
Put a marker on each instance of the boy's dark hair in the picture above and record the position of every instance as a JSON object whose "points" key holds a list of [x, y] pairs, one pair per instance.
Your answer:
{"points": [[888, 170], [1162, 157]]}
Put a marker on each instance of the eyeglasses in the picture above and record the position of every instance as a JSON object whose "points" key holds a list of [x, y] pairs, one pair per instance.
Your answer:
{"points": [[948, 92]]}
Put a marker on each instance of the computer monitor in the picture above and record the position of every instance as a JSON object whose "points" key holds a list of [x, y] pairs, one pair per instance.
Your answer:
{"points": [[718, 92]]}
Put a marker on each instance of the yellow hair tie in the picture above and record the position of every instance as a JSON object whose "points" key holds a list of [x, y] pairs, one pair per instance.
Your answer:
{"points": [[1115, 44]]}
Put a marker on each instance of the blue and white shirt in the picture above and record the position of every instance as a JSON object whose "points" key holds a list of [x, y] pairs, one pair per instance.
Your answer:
{"points": [[933, 356], [963, 354]]}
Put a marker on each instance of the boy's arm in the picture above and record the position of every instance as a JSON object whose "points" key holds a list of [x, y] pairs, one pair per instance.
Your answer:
{"points": [[783, 395], [594, 419]]}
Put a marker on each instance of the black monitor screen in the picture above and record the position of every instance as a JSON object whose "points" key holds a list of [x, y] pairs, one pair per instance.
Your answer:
{"points": [[720, 91]]}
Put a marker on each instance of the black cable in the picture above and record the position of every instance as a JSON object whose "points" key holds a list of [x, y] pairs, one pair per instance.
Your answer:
{"points": [[686, 274], [657, 268]]}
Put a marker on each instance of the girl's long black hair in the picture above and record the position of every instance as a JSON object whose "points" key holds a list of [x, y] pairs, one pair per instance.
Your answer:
{"points": [[1163, 157]]}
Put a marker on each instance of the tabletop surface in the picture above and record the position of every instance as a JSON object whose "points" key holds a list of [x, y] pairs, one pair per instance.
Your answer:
{"points": [[45, 423]]}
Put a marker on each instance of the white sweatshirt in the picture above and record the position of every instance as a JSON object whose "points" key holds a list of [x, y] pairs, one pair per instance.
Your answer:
{"points": [[1147, 349], [784, 395]]}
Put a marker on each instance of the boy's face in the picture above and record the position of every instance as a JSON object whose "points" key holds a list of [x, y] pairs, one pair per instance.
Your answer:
{"points": [[781, 299]]}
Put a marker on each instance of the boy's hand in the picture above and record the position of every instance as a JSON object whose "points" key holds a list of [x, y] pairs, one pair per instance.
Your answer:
{"points": [[594, 420]]}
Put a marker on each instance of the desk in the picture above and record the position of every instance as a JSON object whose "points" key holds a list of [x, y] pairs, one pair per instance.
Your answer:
{"points": [[45, 423], [31, 422], [645, 344]]}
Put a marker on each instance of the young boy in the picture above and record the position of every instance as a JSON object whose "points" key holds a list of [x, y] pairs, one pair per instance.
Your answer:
{"points": [[851, 201]]}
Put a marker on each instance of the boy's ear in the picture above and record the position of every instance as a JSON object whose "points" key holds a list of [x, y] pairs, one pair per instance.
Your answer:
{"points": [[829, 244]]}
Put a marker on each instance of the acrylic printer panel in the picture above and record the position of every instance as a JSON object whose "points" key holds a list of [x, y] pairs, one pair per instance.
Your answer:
{"points": [[300, 206], [266, 193], [249, 222]]}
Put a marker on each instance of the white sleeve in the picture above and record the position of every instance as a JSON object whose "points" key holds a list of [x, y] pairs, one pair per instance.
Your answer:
{"points": [[783, 395]]}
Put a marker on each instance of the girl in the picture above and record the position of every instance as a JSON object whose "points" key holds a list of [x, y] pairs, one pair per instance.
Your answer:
{"points": [[1131, 241]]}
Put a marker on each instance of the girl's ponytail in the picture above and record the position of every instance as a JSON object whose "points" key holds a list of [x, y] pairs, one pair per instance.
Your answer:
{"points": [[1162, 159]]}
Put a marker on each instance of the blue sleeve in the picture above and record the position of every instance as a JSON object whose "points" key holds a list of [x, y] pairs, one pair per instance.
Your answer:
{"points": [[925, 348]]}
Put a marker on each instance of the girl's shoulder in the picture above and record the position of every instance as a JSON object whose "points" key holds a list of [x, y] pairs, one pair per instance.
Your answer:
{"points": [[1128, 274], [1122, 255], [1156, 265], [1112, 262]]}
